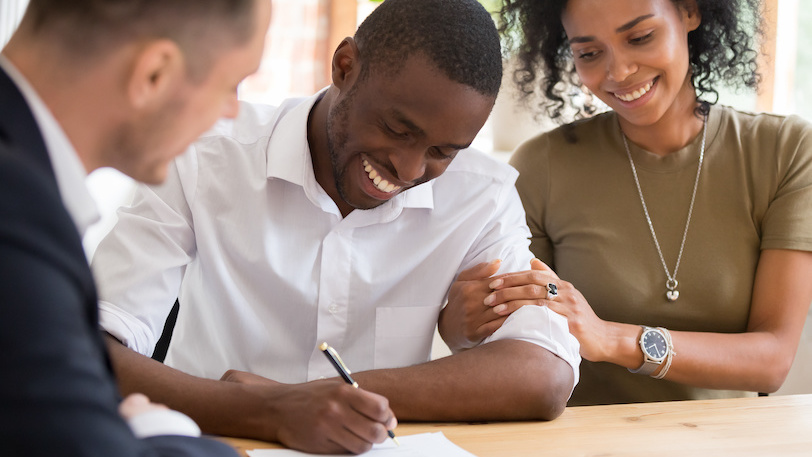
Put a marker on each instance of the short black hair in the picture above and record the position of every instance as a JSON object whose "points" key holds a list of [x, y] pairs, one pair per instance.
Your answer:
{"points": [[721, 49], [88, 28], [459, 36]]}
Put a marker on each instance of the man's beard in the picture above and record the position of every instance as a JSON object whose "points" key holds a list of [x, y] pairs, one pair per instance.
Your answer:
{"points": [[337, 138]]}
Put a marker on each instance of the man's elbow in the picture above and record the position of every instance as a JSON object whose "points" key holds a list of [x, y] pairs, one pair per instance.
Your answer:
{"points": [[544, 381], [549, 399]]}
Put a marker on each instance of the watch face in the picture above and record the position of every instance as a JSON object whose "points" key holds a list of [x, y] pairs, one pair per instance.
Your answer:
{"points": [[654, 345]]}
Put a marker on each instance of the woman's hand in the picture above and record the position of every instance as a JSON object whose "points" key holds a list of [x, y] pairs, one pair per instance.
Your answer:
{"points": [[511, 291], [465, 321]]}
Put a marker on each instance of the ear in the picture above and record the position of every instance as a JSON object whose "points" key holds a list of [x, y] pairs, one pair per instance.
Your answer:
{"points": [[691, 15], [157, 67], [346, 64]]}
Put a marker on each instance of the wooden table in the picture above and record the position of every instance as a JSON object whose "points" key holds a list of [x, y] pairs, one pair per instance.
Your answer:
{"points": [[765, 426]]}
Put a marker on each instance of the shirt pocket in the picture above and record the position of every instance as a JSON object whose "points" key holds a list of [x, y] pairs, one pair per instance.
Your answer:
{"points": [[403, 335]]}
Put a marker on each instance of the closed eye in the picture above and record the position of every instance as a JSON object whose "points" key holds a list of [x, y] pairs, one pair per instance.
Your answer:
{"points": [[642, 39], [395, 133], [438, 153], [588, 55]]}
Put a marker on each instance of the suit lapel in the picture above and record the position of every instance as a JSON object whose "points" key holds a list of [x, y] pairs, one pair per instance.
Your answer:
{"points": [[20, 132], [18, 128]]}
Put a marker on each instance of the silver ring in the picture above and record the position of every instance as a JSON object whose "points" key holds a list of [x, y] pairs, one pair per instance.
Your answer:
{"points": [[552, 291]]}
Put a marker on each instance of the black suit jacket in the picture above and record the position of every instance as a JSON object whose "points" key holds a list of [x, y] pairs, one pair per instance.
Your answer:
{"points": [[57, 391]]}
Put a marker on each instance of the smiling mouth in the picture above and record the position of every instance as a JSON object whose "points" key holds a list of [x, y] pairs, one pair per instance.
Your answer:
{"points": [[632, 96], [380, 183]]}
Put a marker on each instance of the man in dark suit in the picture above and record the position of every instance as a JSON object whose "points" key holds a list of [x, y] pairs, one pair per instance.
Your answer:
{"points": [[86, 84]]}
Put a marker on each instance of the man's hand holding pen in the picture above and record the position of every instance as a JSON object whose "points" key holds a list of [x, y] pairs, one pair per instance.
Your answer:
{"points": [[326, 416], [346, 374]]}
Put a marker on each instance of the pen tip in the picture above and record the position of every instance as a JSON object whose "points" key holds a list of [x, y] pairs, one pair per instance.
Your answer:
{"points": [[323, 346], [392, 435]]}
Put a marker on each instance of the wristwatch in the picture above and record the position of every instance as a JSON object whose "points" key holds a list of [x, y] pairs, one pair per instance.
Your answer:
{"points": [[655, 346]]}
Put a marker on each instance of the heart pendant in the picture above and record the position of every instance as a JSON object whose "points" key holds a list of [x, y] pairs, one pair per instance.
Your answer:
{"points": [[672, 295]]}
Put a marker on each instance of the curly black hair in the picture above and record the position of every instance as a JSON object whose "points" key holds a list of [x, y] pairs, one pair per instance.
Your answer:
{"points": [[459, 36], [721, 49]]}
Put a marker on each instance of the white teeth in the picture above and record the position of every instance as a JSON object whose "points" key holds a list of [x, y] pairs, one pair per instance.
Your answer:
{"points": [[632, 96], [382, 184]]}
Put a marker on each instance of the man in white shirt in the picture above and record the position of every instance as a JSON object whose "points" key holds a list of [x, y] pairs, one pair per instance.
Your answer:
{"points": [[345, 218], [83, 85]]}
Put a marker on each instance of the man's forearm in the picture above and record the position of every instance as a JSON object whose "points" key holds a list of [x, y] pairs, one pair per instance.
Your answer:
{"points": [[324, 417], [502, 380], [218, 407]]}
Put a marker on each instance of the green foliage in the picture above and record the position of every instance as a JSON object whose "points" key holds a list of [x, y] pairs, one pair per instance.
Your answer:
{"points": [[493, 6]]}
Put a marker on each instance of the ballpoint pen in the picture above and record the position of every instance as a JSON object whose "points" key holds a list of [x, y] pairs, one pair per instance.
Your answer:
{"points": [[342, 369]]}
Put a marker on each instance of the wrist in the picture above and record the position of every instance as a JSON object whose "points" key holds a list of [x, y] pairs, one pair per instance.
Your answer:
{"points": [[623, 345], [657, 349], [663, 370], [238, 409], [263, 411]]}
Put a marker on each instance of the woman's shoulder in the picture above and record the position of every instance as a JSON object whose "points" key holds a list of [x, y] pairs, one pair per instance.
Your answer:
{"points": [[580, 135], [584, 130], [763, 136], [761, 122]]}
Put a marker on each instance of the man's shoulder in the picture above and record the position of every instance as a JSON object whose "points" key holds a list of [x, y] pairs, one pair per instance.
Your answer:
{"points": [[255, 121], [21, 180], [34, 218], [472, 162]]}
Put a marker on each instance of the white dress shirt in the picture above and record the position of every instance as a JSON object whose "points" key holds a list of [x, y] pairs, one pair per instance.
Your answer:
{"points": [[266, 268], [70, 178]]}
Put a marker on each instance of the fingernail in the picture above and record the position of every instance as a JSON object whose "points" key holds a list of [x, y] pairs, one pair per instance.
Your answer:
{"points": [[489, 299], [499, 308], [495, 284]]}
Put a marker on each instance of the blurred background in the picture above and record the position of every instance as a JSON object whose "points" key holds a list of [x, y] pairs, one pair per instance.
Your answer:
{"points": [[304, 34]]}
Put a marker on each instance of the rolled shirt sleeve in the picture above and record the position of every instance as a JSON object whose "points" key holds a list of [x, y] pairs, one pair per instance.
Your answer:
{"points": [[543, 327], [139, 265], [506, 237]]}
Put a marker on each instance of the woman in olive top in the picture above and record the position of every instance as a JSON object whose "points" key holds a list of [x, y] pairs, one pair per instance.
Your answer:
{"points": [[681, 230]]}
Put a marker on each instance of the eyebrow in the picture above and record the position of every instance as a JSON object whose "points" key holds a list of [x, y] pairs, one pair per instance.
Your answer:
{"points": [[416, 130], [622, 28]]}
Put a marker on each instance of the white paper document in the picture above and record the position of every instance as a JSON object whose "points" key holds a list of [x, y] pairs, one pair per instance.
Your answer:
{"points": [[421, 445]]}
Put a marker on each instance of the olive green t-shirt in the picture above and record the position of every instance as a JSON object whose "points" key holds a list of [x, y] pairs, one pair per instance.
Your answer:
{"points": [[587, 222]]}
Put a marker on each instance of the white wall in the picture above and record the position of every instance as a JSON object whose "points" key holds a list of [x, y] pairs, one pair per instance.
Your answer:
{"points": [[11, 11]]}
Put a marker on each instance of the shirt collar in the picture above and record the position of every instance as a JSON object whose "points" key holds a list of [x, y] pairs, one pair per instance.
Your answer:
{"points": [[68, 168], [288, 157]]}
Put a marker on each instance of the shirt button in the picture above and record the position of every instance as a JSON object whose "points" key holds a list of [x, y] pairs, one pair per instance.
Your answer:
{"points": [[333, 308]]}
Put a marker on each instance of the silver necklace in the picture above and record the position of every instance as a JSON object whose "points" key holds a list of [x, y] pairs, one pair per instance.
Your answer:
{"points": [[672, 294]]}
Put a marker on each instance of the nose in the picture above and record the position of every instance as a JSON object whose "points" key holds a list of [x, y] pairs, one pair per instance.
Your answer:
{"points": [[619, 67], [410, 164]]}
